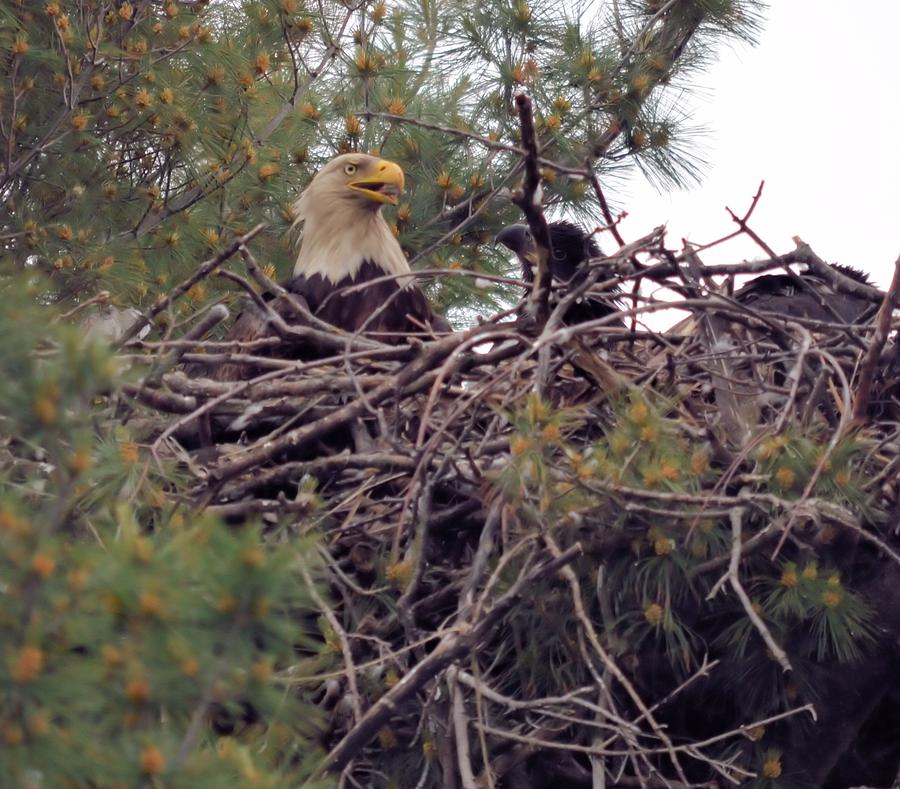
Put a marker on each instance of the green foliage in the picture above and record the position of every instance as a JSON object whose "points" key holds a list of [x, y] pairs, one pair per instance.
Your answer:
{"points": [[838, 620], [126, 621], [798, 456], [139, 137], [641, 500], [113, 655]]}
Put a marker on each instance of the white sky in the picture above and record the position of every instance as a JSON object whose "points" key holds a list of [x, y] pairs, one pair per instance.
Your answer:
{"points": [[814, 109]]}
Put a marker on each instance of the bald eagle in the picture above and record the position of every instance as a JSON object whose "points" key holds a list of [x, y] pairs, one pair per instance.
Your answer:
{"points": [[807, 295], [350, 270], [570, 249]]}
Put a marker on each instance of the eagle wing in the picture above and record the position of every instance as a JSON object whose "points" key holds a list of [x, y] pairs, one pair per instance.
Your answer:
{"points": [[368, 303], [805, 296]]}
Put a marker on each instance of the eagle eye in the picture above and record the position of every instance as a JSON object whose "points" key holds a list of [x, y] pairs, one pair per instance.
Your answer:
{"points": [[350, 169]]}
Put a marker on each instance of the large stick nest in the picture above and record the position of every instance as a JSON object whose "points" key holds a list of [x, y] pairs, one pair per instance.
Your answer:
{"points": [[480, 496]]}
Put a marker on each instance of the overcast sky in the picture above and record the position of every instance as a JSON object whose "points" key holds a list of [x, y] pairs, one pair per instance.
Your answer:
{"points": [[814, 110]]}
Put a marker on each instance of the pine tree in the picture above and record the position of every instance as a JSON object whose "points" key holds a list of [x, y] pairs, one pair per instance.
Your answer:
{"points": [[141, 136], [590, 586], [128, 619]]}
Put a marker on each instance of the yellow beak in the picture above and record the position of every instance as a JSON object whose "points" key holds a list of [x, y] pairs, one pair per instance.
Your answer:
{"points": [[384, 186]]}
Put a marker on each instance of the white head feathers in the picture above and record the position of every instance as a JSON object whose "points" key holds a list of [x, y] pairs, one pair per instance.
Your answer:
{"points": [[342, 222]]}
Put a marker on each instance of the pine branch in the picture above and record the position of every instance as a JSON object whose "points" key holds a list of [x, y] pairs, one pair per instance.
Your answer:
{"points": [[203, 270]]}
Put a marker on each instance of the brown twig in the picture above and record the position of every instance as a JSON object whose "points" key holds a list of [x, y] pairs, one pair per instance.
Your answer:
{"points": [[301, 436], [777, 652], [612, 223]]}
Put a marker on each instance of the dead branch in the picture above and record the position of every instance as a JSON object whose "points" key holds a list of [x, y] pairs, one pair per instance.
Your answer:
{"points": [[530, 199], [870, 362], [777, 652]]}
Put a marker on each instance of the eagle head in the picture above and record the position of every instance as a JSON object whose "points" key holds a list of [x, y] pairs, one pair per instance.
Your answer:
{"points": [[351, 182], [377, 180], [570, 247], [342, 222]]}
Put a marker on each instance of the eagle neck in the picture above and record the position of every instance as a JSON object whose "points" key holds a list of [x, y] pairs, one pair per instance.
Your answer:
{"points": [[336, 244]]}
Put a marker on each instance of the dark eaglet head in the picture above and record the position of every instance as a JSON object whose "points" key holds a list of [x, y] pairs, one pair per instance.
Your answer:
{"points": [[570, 247]]}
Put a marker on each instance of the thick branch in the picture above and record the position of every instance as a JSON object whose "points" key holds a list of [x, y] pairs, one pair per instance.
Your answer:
{"points": [[529, 198], [870, 362]]}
